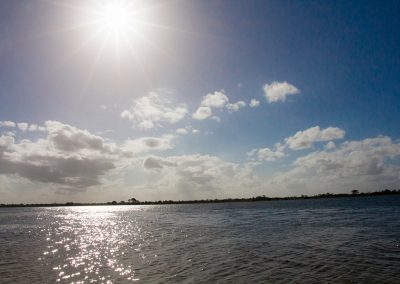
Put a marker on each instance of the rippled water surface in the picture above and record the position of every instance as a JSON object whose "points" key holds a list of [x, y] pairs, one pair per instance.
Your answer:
{"points": [[344, 240]]}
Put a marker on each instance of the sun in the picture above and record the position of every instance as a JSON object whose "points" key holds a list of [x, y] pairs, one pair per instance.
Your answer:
{"points": [[113, 35], [116, 17], [118, 20]]}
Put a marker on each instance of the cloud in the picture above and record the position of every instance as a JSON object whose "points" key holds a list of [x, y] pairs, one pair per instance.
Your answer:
{"points": [[301, 140], [8, 124], [6, 143], [153, 111], [186, 130], [254, 103], [23, 126], [41, 162], [210, 101], [202, 113], [330, 145], [146, 144], [279, 91], [197, 175], [305, 139], [236, 106], [70, 139], [216, 100], [157, 163], [369, 164], [266, 154], [71, 158], [181, 131], [355, 158]]}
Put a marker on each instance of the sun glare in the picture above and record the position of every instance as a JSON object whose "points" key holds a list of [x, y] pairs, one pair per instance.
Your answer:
{"points": [[113, 31], [116, 17], [120, 19]]}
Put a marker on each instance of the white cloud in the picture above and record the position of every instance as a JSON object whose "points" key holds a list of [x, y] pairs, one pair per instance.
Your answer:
{"points": [[154, 110], [6, 143], [365, 157], [254, 103], [197, 175], [236, 106], [202, 113], [8, 124], [266, 154], [23, 126], [279, 91], [216, 100], [305, 139], [368, 165], [181, 131], [301, 140], [186, 130]]}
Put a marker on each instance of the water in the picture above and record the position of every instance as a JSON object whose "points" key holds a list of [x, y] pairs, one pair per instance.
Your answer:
{"points": [[341, 240]]}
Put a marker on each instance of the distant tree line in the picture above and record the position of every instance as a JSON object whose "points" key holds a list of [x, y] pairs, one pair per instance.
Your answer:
{"points": [[134, 201]]}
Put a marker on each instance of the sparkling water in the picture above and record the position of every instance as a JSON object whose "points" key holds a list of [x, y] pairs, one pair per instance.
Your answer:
{"points": [[337, 240]]}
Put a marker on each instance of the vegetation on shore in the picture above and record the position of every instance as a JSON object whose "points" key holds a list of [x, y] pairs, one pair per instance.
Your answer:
{"points": [[134, 201]]}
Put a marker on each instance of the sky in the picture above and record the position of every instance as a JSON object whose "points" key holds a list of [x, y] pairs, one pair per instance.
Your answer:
{"points": [[113, 99]]}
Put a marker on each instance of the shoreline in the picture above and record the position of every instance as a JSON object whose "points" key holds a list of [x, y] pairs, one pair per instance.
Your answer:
{"points": [[203, 201]]}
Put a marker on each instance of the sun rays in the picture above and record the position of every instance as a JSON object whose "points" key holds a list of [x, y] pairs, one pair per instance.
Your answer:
{"points": [[118, 32]]}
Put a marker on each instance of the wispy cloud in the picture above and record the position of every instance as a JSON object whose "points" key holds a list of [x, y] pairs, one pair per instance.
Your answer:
{"points": [[153, 111], [8, 124], [236, 106], [23, 126], [254, 103]]}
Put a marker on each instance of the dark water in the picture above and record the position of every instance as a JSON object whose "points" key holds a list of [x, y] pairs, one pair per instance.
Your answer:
{"points": [[347, 240]]}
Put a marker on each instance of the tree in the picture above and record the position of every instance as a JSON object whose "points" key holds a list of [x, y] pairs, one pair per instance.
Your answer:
{"points": [[354, 192], [133, 200]]}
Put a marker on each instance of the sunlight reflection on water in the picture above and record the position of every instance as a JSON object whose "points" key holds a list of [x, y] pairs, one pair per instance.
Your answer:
{"points": [[310, 241], [92, 240]]}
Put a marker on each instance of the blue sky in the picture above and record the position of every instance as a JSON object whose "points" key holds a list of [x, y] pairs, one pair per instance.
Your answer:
{"points": [[106, 100]]}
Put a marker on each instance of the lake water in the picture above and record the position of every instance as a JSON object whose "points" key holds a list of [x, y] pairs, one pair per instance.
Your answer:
{"points": [[340, 240]]}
